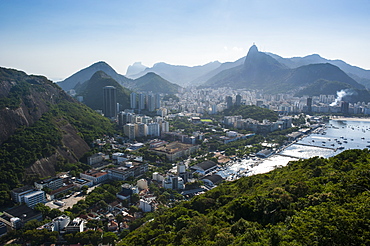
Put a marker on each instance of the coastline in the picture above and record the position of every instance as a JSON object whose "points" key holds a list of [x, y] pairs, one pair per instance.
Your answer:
{"points": [[349, 118]]}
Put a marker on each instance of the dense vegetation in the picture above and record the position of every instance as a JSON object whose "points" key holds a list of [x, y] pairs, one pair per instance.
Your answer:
{"points": [[311, 202], [156, 84], [253, 112], [40, 140]]}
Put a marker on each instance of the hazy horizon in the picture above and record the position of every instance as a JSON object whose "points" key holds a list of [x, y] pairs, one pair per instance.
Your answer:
{"points": [[58, 38]]}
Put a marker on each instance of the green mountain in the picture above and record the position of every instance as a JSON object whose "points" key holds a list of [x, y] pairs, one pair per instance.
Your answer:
{"points": [[42, 130], [92, 91], [263, 72], [310, 202], [361, 75], [155, 83], [85, 74]]}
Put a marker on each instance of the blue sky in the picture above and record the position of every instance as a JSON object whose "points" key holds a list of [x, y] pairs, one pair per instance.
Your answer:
{"points": [[58, 38]]}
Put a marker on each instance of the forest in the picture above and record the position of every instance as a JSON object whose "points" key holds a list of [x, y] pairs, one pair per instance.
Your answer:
{"points": [[309, 202]]}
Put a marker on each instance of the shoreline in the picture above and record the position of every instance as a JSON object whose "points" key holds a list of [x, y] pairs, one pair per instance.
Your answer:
{"points": [[349, 118]]}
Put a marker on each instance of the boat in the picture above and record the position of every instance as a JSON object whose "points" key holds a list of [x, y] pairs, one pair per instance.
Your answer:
{"points": [[341, 147]]}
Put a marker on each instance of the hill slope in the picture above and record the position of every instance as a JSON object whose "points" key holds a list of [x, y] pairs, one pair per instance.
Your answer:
{"points": [[42, 129], [311, 202], [359, 74], [155, 83], [92, 91], [85, 74]]}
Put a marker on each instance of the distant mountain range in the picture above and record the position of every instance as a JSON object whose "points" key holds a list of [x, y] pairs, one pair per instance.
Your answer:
{"points": [[258, 70], [261, 71], [181, 75], [146, 83]]}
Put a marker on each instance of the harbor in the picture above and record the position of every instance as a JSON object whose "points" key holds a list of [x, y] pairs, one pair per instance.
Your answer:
{"points": [[329, 140]]}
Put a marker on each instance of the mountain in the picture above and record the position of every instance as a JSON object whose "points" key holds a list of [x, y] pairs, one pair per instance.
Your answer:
{"points": [[92, 91], [135, 68], [361, 75], [181, 75], [42, 129], [155, 83], [224, 66], [261, 71], [85, 74]]}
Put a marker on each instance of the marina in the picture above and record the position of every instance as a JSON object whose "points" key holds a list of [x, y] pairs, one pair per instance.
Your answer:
{"points": [[335, 137]]}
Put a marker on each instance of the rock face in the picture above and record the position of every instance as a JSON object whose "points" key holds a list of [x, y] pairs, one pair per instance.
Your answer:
{"points": [[24, 101], [32, 104]]}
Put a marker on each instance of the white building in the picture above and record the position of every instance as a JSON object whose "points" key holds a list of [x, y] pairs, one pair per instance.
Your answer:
{"points": [[60, 222], [153, 129], [76, 225], [142, 184], [130, 130], [31, 199]]}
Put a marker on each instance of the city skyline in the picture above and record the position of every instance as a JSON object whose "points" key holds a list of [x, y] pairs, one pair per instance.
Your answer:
{"points": [[57, 39]]}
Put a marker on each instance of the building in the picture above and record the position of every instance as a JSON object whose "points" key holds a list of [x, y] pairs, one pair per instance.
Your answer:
{"points": [[130, 130], [110, 101], [31, 199], [148, 204], [16, 217], [76, 225], [175, 150], [133, 100], [132, 169], [205, 167], [59, 223], [154, 129], [141, 101], [95, 158], [19, 193], [264, 153], [212, 180], [142, 130], [238, 100], [229, 102], [51, 183], [173, 182], [142, 184], [309, 104], [94, 175]]}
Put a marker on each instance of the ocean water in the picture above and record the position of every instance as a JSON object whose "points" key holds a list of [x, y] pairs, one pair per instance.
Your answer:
{"points": [[338, 136]]}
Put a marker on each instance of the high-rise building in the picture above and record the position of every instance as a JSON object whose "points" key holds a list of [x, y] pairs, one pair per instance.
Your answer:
{"points": [[157, 101], [153, 129], [309, 104], [141, 101], [229, 102], [151, 103], [142, 130], [238, 100], [110, 101], [130, 130], [133, 100], [344, 107]]}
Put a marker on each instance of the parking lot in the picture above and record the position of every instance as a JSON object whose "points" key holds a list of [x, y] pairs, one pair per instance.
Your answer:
{"points": [[70, 201]]}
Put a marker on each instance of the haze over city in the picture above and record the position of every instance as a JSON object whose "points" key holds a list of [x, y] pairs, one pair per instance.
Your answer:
{"points": [[58, 38]]}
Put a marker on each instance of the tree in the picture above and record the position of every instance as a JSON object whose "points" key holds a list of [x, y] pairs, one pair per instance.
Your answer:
{"points": [[109, 238]]}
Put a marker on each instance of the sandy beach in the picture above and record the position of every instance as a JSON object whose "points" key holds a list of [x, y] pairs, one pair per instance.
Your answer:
{"points": [[349, 118]]}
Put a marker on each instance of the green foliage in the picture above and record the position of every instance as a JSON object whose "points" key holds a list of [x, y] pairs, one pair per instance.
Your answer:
{"points": [[310, 202], [253, 112]]}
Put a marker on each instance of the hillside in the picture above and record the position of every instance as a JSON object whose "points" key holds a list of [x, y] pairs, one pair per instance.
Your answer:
{"points": [[263, 72], [253, 112], [310, 202], [92, 91], [42, 129], [85, 74], [361, 75], [155, 83]]}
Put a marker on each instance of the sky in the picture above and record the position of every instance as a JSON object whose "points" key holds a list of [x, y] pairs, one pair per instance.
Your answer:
{"points": [[59, 38]]}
